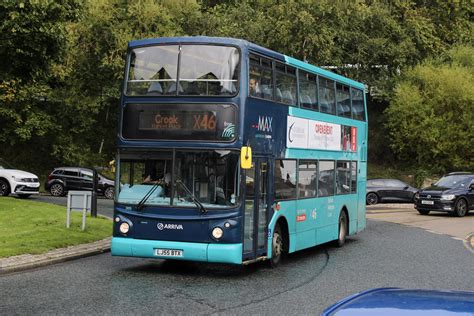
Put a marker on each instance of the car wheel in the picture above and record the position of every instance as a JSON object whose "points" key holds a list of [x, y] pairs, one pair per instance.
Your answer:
{"points": [[342, 232], [4, 188], [423, 212], [56, 189], [23, 196], [372, 198], [461, 208], [109, 193], [278, 247]]}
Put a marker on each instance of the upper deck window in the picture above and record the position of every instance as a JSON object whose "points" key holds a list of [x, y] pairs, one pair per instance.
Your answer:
{"points": [[358, 110], [326, 96], [343, 100], [308, 90], [186, 70], [285, 84], [261, 77]]}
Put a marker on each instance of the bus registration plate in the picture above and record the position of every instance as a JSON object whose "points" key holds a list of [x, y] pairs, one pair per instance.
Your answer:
{"points": [[168, 252], [427, 202]]}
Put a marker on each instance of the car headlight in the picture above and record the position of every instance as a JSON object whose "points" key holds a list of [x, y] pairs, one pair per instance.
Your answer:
{"points": [[217, 233], [17, 179], [417, 196], [124, 228], [448, 197]]}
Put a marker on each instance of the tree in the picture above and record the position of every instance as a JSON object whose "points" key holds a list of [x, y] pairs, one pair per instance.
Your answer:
{"points": [[430, 116], [33, 39]]}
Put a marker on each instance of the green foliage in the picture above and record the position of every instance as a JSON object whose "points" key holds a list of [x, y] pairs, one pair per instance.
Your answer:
{"points": [[32, 35], [34, 38], [64, 60], [34, 227], [370, 41], [431, 114], [420, 177]]}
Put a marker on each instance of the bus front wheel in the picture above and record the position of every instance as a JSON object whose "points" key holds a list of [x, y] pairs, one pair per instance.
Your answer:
{"points": [[278, 246]]}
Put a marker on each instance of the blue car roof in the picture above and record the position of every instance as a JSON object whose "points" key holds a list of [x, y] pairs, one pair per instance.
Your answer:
{"points": [[395, 301]]}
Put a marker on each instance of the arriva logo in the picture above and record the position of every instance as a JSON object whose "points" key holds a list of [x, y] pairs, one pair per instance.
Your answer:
{"points": [[162, 226], [265, 123]]}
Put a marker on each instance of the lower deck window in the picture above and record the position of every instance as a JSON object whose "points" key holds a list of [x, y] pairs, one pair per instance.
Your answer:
{"points": [[343, 177], [285, 179], [326, 178], [307, 178]]}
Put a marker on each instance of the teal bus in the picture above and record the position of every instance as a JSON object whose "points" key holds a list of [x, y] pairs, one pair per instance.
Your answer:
{"points": [[233, 153]]}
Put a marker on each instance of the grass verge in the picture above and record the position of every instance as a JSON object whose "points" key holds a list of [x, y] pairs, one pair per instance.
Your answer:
{"points": [[29, 227]]}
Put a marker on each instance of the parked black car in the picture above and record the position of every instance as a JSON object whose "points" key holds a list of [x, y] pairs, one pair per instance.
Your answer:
{"points": [[389, 190], [63, 179], [453, 193]]}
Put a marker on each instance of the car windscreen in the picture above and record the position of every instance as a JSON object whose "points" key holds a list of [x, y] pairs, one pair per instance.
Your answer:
{"points": [[454, 181]]}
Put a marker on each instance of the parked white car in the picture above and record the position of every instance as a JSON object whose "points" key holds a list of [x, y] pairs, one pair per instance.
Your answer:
{"points": [[14, 181]]}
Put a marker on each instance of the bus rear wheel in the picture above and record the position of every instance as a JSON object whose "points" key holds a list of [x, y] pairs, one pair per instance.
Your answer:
{"points": [[342, 231]]}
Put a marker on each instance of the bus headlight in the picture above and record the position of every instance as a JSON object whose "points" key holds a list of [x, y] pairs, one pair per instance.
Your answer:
{"points": [[124, 228], [217, 233]]}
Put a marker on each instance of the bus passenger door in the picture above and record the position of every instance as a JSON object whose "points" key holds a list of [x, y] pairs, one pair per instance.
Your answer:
{"points": [[256, 210]]}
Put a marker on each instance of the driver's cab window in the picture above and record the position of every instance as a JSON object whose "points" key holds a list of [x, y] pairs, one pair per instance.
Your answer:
{"points": [[145, 177]]}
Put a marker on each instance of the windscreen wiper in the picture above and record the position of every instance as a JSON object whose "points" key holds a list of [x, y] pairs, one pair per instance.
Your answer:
{"points": [[147, 196], [195, 200]]}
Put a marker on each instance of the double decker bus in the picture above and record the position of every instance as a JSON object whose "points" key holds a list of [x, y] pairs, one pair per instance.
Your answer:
{"points": [[229, 152]]}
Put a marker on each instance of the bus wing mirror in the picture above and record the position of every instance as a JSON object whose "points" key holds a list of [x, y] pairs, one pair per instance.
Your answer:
{"points": [[246, 157]]}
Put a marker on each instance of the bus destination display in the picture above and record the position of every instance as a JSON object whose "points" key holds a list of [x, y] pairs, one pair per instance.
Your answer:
{"points": [[177, 120], [211, 122]]}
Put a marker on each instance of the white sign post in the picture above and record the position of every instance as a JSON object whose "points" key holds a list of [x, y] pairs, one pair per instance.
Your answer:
{"points": [[78, 201]]}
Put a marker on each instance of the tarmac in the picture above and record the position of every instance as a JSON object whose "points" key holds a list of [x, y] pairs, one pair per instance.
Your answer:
{"points": [[27, 261]]}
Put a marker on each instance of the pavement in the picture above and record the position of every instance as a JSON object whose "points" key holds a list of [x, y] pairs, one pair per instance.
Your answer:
{"points": [[436, 222]]}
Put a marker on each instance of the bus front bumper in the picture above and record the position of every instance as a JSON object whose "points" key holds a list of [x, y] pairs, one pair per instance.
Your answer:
{"points": [[222, 253]]}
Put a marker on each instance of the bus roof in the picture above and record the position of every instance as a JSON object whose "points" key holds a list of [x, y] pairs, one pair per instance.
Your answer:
{"points": [[243, 43]]}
